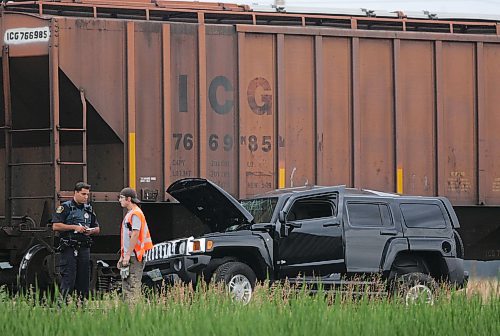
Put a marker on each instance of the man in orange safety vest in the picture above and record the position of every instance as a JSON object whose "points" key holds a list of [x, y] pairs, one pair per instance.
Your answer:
{"points": [[135, 241]]}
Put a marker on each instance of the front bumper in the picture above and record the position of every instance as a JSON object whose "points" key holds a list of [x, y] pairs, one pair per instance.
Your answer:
{"points": [[184, 269], [456, 273]]}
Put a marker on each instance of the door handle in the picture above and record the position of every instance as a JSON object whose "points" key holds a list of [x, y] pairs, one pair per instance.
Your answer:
{"points": [[331, 224], [388, 232]]}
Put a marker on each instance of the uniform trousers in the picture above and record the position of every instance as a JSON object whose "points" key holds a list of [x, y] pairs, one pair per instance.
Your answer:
{"points": [[75, 271]]}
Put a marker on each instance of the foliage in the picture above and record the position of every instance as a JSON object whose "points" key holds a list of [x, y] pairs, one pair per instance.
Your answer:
{"points": [[274, 310]]}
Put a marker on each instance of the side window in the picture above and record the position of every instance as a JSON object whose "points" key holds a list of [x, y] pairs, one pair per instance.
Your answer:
{"points": [[311, 209], [385, 214], [420, 215], [369, 214]]}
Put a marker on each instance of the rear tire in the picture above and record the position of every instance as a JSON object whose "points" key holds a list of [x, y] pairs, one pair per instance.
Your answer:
{"points": [[238, 278], [416, 288]]}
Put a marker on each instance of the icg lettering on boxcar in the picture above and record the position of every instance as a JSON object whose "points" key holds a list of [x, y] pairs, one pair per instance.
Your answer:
{"points": [[259, 95]]}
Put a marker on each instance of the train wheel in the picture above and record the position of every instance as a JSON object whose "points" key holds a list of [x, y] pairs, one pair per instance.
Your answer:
{"points": [[36, 269]]}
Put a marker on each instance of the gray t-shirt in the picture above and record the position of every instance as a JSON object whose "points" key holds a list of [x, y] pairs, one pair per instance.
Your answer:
{"points": [[136, 225]]}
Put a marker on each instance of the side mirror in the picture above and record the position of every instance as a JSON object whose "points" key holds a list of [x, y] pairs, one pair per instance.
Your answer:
{"points": [[282, 216]]}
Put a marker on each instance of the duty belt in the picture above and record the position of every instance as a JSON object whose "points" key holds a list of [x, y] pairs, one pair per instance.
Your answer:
{"points": [[74, 243]]}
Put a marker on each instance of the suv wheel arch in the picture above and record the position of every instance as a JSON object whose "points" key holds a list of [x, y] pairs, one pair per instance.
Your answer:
{"points": [[408, 263], [459, 244], [248, 256]]}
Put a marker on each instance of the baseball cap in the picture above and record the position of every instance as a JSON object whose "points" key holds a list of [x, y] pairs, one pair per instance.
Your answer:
{"points": [[129, 192]]}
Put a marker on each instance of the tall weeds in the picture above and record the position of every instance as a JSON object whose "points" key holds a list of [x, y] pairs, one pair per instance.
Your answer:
{"points": [[280, 309]]}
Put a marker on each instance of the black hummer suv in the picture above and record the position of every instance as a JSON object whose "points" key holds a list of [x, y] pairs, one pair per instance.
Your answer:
{"points": [[309, 235]]}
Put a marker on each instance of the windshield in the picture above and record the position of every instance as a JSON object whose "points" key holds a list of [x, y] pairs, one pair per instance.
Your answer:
{"points": [[261, 208]]}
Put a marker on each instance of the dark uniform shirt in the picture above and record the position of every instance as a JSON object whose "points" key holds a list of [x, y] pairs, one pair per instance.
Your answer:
{"points": [[73, 213]]}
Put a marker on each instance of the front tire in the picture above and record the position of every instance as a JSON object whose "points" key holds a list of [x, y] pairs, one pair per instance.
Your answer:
{"points": [[239, 280]]}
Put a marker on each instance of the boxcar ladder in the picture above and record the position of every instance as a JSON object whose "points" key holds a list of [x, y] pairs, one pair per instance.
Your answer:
{"points": [[55, 130]]}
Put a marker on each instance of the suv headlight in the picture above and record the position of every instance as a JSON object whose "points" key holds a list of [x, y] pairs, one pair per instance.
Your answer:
{"points": [[200, 245]]}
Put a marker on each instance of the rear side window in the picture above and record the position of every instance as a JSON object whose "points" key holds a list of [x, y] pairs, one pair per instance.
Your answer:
{"points": [[368, 214], [310, 209], [418, 215]]}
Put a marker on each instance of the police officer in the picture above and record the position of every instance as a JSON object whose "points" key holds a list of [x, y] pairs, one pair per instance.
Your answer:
{"points": [[76, 222]]}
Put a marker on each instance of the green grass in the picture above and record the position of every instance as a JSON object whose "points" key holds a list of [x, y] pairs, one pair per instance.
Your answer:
{"points": [[272, 311]]}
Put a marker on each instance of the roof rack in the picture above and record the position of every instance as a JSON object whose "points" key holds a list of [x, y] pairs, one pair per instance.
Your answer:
{"points": [[381, 193]]}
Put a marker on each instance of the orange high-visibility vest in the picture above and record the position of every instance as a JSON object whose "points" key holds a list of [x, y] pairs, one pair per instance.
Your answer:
{"points": [[144, 243]]}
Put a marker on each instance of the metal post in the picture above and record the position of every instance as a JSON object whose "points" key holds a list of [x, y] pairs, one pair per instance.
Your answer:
{"points": [[202, 92], [54, 106], [131, 104], [8, 135], [84, 135], [167, 103]]}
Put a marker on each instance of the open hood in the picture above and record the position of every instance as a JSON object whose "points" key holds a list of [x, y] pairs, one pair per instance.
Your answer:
{"points": [[210, 203]]}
